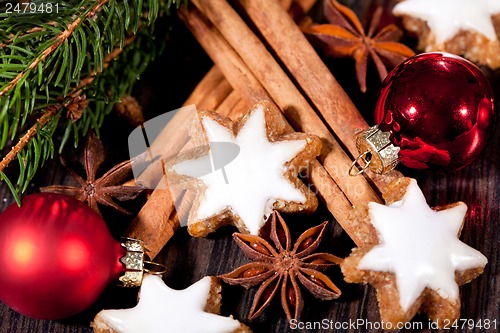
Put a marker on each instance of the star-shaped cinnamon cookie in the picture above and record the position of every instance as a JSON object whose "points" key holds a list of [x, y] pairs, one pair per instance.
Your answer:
{"points": [[254, 170], [463, 27], [161, 309], [419, 261]]}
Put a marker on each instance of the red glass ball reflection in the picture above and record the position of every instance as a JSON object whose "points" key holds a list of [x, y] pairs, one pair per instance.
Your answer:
{"points": [[439, 109], [56, 255]]}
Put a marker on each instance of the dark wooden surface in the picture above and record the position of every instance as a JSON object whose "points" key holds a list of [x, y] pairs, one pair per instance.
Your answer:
{"points": [[188, 259]]}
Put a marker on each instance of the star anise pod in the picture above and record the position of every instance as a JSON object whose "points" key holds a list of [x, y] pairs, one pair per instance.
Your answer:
{"points": [[101, 190], [346, 37], [283, 267]]}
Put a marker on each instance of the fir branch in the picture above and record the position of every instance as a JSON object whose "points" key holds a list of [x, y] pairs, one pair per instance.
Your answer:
{"points": [[50, 54], [54, 108], [58, 41]]}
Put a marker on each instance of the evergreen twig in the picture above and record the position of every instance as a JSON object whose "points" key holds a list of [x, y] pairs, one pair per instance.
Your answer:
{"points": [[57, 43], [54, 108], [108, 42]]}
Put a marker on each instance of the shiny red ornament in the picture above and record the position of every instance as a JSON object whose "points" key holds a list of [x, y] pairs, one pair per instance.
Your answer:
{"points": [[439, 110], [56, 256]]}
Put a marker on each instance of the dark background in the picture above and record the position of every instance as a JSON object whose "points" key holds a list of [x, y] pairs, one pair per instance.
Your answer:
{"points": [[165, 86]]}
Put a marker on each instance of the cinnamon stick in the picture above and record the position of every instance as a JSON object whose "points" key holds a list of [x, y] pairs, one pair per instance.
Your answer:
{"points": [[249, 87], [302, 61], [152, 225], [233, 106], [315, 79], [282, 90]]}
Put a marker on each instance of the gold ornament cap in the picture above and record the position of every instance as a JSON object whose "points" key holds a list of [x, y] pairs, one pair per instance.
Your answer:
{"points": [[135, 264], [133, 261], [376, 151]]}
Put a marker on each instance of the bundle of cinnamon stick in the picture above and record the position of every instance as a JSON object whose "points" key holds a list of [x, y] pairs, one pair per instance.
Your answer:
{"points": [[276, 63]]}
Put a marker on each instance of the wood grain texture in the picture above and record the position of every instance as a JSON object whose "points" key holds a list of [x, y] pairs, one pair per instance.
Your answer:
{"points": [[189, 259]]}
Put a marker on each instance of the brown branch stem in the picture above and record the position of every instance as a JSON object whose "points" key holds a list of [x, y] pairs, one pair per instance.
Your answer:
{"points": [[29, 31]]}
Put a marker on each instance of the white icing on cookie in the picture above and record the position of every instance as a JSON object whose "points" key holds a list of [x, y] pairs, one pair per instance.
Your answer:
{"points": [[447, 17], [420, 246], [161, 309], [255, 178]]}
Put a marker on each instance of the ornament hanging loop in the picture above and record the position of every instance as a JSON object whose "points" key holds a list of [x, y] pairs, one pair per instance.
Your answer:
{"points": [[362, 157], [154, 268]]}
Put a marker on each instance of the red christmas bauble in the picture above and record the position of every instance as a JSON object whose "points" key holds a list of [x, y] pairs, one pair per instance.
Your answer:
{"points": [[438, 108], [56, 255]]}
